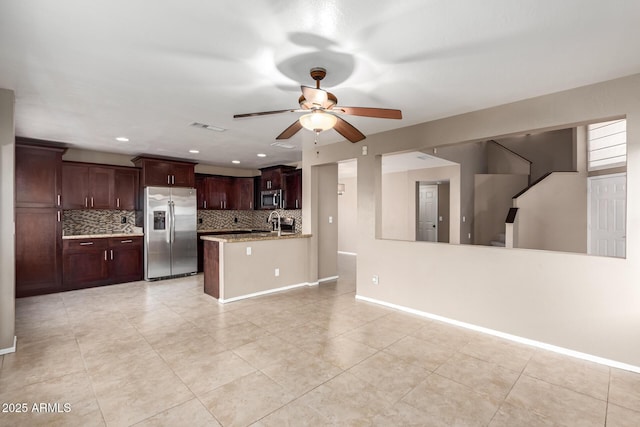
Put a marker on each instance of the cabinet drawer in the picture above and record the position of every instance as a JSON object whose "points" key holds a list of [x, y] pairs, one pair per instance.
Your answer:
{"points": [[116, 242], [84, 244]]}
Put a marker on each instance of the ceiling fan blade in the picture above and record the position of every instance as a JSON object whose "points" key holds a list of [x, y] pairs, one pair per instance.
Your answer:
{"points": [[380, 113], [290, 131], [315, 96], [347, 130], [262, 113]]}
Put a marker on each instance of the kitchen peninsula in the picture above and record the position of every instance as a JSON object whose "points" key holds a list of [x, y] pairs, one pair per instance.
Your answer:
{"points": [[238, 266]]}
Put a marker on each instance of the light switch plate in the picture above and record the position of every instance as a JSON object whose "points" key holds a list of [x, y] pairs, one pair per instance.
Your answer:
{"points": [[248, 250]]}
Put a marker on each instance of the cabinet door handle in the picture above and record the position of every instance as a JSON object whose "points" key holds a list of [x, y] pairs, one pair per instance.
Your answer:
{"points": [[296, 203], [105, 254], [91, 201], [125, 241], [111, 254], [118, 202], [59, 218], [173, 179], [59, 200], [86, 243], [250, 205], [205, 204], [168, 179], [86, 202], [225, 204]]}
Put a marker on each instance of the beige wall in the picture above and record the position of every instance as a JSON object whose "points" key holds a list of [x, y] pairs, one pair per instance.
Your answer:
{"points": [[547, 151], [501, 160], [89, 156], [247, 274], [444, 209], [552, 215], [493, 198], [398, 201], [327, 231], [472, 159], [583, 303], [348, 216], [7, 251]]}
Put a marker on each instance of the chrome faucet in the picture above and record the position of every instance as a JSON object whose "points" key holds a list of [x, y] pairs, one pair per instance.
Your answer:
{"points": [[270, 219]]}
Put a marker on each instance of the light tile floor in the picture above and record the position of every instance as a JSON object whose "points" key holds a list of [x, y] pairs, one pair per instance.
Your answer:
{"points": [[163, 353]]}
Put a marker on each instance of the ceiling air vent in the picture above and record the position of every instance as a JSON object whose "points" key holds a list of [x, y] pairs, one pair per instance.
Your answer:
{"points": [[282, 145], [208, 127]]}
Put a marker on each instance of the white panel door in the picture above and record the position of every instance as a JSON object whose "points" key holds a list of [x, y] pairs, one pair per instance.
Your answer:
{"points": [[607, 215], [427, 213]]}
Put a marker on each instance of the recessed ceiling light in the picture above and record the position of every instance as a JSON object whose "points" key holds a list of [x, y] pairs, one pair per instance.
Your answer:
{"points": [[122, 139], [235, 162], [262, 155], [194, 151]]}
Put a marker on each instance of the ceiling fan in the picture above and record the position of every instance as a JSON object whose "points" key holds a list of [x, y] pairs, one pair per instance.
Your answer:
{"points": [[323, 113]]}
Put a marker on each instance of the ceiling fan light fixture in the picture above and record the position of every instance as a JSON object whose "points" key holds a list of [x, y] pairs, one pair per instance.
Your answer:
{"points": [[318, 121]]}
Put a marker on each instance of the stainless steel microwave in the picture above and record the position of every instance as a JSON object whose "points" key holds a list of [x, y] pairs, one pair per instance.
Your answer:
{"points": [[271, 199]]}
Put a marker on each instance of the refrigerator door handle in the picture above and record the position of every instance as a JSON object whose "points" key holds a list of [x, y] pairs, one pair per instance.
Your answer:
{"points": [[172, 208]]}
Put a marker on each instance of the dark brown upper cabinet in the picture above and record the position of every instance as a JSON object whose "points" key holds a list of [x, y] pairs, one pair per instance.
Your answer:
{"points": [[243, 198], [38, 172], [272, 177], [89, 186], [293, 189], [125, 188], [165, 173], [215, 192]]}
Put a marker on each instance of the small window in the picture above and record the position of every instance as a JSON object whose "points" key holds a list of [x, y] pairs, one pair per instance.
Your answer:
{"points": [[607, 144]]}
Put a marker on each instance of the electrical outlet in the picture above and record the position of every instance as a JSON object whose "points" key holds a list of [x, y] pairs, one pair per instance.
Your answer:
{"points": [[277, 272], [364, 150], [469, 235], [235, 219], [330, 220], [123, 219], [199, 220], [248, 250], [464, 219], [376, 279]]}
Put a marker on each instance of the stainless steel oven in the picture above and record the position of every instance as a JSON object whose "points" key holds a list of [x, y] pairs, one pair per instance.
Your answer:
{"points": [[271, 199]]}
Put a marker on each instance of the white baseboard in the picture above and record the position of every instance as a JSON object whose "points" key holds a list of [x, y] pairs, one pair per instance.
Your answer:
{"points": [[515, 338], [10, 349], [347, 253], [328, 279], [269, 291]]}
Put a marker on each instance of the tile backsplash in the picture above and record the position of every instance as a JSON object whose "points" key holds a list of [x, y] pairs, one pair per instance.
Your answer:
{"points": [[97, 221], [255, 220]]}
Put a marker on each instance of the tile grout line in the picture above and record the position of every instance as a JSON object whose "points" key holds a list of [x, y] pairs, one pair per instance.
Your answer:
{"points": [[84, 362]]}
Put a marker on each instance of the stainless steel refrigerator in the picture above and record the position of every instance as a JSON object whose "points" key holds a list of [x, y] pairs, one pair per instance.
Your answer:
{"points": [[170, 217]]}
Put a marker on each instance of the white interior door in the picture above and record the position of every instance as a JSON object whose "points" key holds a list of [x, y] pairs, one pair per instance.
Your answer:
{"points": [[427, 215], [607, 215]]}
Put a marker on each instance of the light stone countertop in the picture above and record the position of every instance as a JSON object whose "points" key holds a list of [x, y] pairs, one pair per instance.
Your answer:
{"points": [[101, 236], [226, 230], [233, 238]]}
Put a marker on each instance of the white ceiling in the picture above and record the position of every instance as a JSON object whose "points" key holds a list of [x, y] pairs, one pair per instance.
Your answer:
{"points": [[86, 72]]}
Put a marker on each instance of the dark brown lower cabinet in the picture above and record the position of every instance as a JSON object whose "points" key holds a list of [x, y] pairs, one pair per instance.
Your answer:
{"points": [[125, 259], [85, 263], [38, 251], [101, 261]]}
